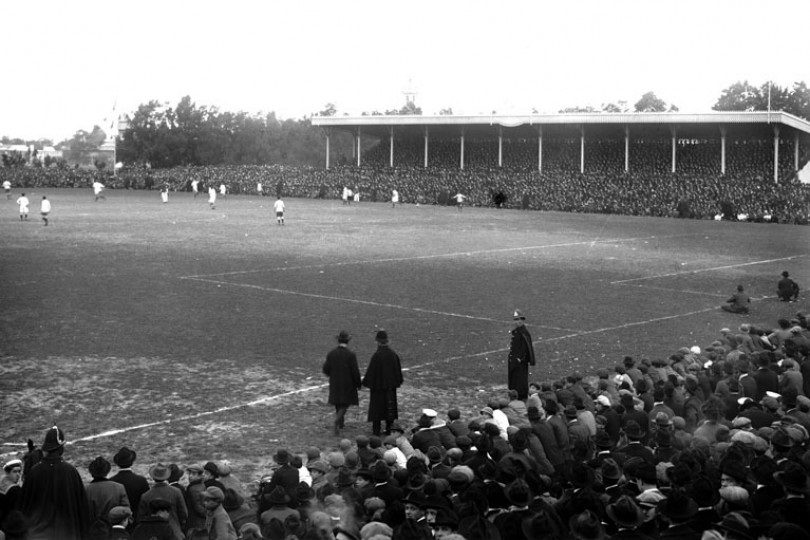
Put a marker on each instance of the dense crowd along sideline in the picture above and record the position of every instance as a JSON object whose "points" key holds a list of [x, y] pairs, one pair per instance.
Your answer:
{"points": [[708, 443]]}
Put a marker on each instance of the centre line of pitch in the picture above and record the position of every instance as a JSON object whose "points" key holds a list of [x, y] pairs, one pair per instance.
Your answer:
{"points": [[712, 269], [436, 256], [363, 302]]}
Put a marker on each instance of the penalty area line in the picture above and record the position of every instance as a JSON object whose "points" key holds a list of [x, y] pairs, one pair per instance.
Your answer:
{"points": [[359, 301], [701, 270], [590, 243]]}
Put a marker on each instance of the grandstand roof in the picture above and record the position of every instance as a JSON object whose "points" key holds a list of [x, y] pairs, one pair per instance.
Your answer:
{"points": [[740, 124]]}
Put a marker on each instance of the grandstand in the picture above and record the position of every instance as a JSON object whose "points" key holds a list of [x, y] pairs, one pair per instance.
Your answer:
{"points": [[491, 140]]}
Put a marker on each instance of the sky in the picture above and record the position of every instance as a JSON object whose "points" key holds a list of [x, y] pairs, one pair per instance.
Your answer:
{"points": [[68, 64]]}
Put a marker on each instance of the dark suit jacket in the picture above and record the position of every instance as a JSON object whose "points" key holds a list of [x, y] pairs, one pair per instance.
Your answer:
{"points": [[344, 376], [135, 485], [767, 380]]}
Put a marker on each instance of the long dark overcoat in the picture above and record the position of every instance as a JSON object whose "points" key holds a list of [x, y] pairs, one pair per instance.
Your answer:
{"points": [[54, 500], [521, 356], [383, 377], [344, 376]]}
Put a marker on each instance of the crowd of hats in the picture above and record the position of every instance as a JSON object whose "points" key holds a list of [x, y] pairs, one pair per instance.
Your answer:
{"points": [[670, 442]]}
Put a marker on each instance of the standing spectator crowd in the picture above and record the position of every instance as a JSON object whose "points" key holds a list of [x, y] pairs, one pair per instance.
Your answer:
{"points": [[709, 443], [697, 190]]}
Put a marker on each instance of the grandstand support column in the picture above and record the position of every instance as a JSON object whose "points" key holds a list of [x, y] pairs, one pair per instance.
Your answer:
{"points": [[461, 161], [426, 146], [582, 149], [540, 149], [796, 151], [775, 154], [327, 148], [626, 148], [500, 147], [723, 132], [358, 147], [391, 150], [674, 131]]}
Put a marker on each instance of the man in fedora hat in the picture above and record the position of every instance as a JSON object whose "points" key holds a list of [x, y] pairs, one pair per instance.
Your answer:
{"points": [[521, 356], [53, 498], [134, 484], [178, 513], [634, 447], [103, 494], [627, 517], [383, 377], [280, 508], [286, 476], [344, 379], [794, 507], [678, 509]]}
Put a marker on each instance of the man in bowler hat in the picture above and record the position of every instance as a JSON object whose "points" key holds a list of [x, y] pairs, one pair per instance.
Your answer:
{"points": [[521, 356], [344, 379], [383, 377]]}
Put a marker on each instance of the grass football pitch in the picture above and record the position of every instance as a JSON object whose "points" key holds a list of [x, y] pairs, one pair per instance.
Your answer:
{"points": [[192, 334]]}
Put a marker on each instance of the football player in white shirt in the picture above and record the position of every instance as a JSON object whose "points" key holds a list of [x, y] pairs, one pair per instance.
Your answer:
{"points": [[23, 202]]}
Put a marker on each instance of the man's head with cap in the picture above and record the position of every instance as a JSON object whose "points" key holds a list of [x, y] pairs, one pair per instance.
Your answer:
{"points": [[518, 317]]}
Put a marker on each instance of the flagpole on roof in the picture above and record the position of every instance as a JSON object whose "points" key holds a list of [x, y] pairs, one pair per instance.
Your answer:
{"points": [[769, 102]]}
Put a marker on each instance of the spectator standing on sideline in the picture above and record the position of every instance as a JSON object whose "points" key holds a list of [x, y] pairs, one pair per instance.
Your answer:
{"points": [[7, 189], [278, 206], [23, 202], [178, 512], [787, 289], [134, 484], [195, 187], [383, 377], [45, 209], [356, 194], [259, 189], [521, 356], [223, 189], [738, 303], [394, 198], [164, 192], [344, 378], [53, 498], [103, 494], [217, 521], [212, 196]]}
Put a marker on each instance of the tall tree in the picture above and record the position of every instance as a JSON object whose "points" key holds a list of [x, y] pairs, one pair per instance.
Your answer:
{"points": [[649, 102]]}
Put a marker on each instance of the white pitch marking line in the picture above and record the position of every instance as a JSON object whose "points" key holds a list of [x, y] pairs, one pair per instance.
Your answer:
{"points": [[268, 399], [358, 301], [713, 269], [436, 256], [686, 291]]}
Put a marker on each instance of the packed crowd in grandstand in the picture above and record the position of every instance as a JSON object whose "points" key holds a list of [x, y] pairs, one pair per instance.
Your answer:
{"points": [[708, 443], [696, 190]]}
